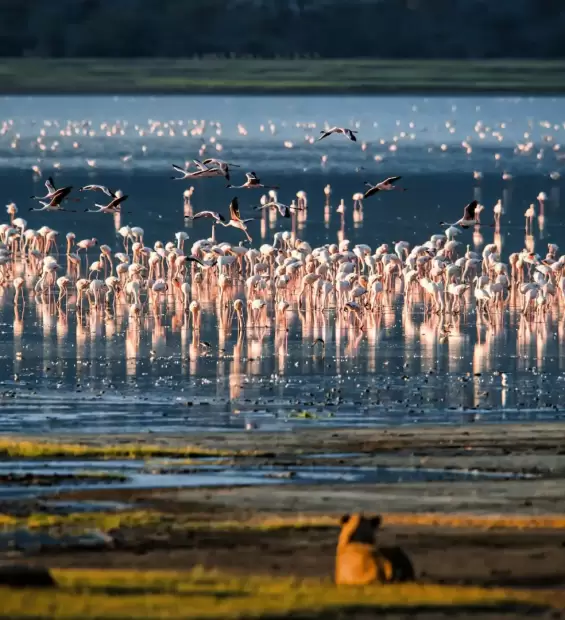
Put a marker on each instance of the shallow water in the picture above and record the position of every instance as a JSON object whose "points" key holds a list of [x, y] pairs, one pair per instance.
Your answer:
{"points": [[247, 136], [62, 373], [155, 474]]}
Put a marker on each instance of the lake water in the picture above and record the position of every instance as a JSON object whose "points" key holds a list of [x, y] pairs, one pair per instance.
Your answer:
{"points": [[63, 373]]}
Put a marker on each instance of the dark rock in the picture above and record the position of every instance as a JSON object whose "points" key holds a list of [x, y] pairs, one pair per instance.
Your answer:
{"points": [[20, 576]]}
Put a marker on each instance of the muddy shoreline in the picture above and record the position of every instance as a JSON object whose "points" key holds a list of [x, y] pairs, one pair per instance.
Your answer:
{"points": [[526, 448], [458, 552], [527, 462]]}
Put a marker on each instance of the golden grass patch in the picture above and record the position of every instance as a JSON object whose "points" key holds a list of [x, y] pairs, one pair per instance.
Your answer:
{"points": [[15, 448], [485, 522], [106, 521], [205, 594], [138, 518]]}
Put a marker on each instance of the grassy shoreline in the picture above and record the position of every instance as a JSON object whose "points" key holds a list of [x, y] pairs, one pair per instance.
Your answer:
{"points": [[278, 76], [210, 594]]}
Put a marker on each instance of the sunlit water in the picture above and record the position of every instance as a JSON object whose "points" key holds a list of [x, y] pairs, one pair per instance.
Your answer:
{"points": [[63, 373]]}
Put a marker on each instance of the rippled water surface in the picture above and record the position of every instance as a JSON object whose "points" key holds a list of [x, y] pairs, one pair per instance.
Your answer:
{"points": [[61, 372]]}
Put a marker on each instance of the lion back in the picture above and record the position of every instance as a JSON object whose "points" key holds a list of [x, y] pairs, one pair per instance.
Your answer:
{"points": [[358, 562]]}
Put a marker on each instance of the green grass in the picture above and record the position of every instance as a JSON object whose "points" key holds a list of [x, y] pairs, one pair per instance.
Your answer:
{"points": [[204, 594], [15, 448], [211, 75]]}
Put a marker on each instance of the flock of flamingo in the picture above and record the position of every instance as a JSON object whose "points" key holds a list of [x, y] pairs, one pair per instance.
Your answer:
{"points": [[252, 286]]}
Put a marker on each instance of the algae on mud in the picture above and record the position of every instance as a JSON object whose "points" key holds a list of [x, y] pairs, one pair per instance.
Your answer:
{"points": [[210, 594]]}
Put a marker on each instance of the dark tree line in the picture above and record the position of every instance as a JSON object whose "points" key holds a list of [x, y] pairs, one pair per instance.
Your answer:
{"points": [[326, 28]]}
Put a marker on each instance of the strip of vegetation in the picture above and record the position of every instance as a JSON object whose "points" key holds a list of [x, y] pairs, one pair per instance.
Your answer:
{"points": [[107, 521], [205, 594], [245, 76], [103, 521], [14, 448]]}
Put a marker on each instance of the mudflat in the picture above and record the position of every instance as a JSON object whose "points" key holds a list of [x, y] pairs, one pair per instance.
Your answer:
{"points": [[508, 530]]}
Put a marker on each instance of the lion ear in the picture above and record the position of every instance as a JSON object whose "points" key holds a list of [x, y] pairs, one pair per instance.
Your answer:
{"points": [[344, 519], [376, 521]]}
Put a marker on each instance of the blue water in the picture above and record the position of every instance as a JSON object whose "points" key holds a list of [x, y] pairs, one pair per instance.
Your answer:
{"points": [[60, 373]]}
